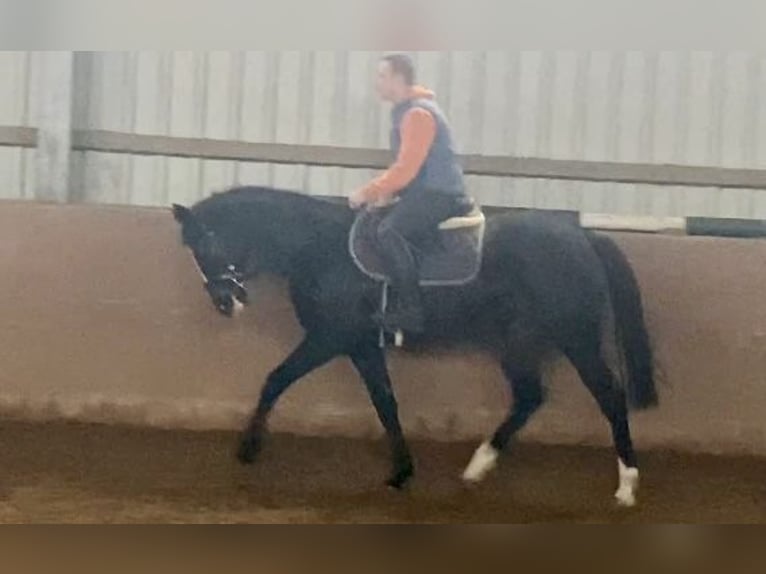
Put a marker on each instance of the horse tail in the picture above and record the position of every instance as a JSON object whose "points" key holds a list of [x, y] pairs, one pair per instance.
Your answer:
{"points": [[631, 332]]}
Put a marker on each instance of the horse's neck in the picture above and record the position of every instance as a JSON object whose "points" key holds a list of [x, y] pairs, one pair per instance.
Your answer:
{"points": [[281, 237]]}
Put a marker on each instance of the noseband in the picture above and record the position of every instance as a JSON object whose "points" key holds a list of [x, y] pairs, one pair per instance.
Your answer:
{"points": [[231, 275]]}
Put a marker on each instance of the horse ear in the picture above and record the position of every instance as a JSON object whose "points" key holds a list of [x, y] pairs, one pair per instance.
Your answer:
{"points": [[182, 214]]}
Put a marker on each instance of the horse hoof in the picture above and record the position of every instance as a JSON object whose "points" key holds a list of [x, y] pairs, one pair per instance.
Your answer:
{"points": [[625, 498], [248, 451], [400, 479], [483, 462], [626, 493]]}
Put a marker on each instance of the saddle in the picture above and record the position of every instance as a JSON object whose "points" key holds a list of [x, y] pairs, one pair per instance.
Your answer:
{"points": [[449, 256]]}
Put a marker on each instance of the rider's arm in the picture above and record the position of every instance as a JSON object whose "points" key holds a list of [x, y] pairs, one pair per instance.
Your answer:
{"points": [[418, 130]]}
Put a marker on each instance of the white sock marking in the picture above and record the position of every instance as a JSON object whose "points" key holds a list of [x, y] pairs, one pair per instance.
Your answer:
{"points": [[484, 461], [626, 493]]}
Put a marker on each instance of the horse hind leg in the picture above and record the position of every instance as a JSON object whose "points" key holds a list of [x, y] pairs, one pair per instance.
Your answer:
{"points": [[528, 396], [603, 385]]}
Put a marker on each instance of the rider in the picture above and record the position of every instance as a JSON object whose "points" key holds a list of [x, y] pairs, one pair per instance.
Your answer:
{"points": [[426, 178]]}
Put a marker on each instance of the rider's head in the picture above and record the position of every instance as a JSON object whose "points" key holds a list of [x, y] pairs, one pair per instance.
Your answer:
{"points": [[396, 76]]}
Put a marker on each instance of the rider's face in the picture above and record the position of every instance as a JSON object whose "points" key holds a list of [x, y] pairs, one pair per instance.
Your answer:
{"points": [[387, 83]]}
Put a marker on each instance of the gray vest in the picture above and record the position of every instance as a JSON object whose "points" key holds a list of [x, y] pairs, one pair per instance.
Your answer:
{"points": [[441, 170]]}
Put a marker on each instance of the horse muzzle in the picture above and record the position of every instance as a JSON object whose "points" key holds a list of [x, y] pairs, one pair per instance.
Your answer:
{"points": [[229, 296]]}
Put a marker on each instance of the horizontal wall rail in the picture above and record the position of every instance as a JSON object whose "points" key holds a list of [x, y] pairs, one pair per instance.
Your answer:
{"points": [[18, 136], [361, 158], [499, 166]]}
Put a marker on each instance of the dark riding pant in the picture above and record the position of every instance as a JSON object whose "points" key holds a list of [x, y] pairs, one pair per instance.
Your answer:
{"points": [[417, 213]]}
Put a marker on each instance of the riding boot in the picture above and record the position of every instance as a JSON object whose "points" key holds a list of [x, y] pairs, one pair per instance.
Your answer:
{"points": [[407, 312]]}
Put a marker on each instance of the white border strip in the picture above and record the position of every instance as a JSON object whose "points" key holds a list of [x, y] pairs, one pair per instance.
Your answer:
{"points": [[647, 224]]}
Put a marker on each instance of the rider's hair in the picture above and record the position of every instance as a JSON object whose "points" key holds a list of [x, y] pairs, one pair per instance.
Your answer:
{"points": [[402, 65]]}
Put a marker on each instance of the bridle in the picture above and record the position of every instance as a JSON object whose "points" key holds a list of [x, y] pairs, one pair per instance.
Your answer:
{"points": [[231, 276]]}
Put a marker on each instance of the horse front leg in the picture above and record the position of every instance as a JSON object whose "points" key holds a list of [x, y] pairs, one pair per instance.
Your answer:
{"points": [[370, 362], [310, 354]]}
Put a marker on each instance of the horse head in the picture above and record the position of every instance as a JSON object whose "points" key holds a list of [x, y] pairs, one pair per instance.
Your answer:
{"points": [[222, 280]]}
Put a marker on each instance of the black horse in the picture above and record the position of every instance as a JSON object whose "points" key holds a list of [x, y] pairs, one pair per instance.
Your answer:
{"points": [[546, 287]]}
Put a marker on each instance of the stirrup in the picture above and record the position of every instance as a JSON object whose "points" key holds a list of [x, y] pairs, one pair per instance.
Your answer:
{"points": [[398, 334]]}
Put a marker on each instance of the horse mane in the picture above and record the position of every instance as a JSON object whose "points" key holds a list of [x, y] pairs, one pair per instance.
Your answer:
{"points": [[318, 210], [295, 229]]}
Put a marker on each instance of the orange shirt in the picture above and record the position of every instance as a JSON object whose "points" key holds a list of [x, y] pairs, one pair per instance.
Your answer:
{"points": [[418, 130]]}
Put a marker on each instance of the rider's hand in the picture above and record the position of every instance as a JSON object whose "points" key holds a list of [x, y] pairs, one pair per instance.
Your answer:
{"points": [[357, 199]]}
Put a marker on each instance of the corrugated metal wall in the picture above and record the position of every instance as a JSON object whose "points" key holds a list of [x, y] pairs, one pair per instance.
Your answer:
{"points": [[699, 108], [17, 108]]}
